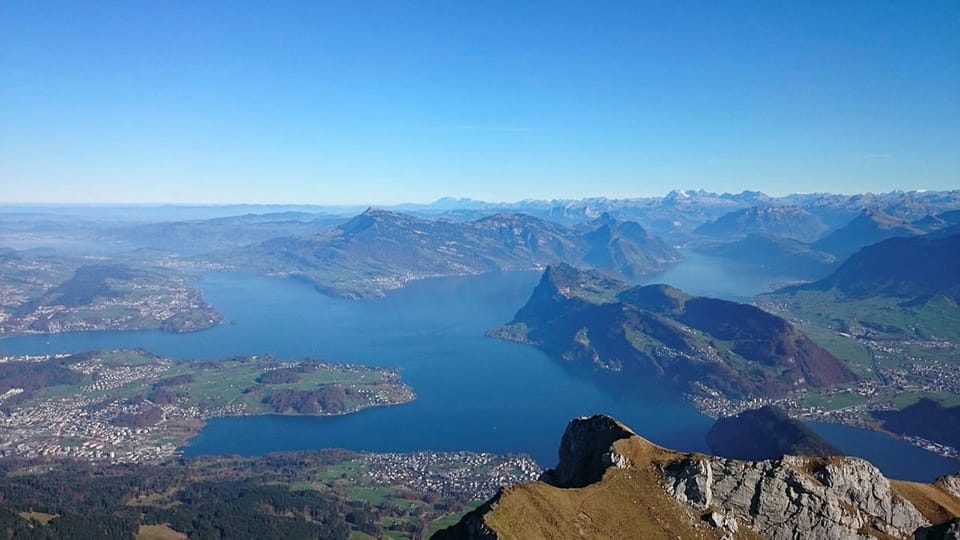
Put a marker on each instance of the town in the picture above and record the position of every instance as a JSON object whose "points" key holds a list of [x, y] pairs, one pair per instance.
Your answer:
{"points": [[852, 405], [40, 296], [133, 407], [469, 475]]}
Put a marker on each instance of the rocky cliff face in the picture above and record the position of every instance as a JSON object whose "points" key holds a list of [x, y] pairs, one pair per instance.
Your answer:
{"points": [[586, 452], [841, 498], [611, 483]]}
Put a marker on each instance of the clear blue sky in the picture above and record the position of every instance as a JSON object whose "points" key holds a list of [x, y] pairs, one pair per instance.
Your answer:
{"points": [[391, 101]]}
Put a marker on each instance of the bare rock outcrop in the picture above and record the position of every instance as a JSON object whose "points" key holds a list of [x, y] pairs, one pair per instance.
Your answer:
{"points": [[818, 498], [586, 451], [950, 484]]}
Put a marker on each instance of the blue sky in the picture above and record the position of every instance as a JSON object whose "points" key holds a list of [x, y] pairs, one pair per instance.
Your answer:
{"points": [[392, 101]]}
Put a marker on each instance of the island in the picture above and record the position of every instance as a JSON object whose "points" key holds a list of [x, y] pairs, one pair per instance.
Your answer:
{"points": [[131, 406]]}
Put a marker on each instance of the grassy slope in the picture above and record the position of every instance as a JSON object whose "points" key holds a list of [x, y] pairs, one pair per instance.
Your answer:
{"points": [[626, 503], [888, 316]]}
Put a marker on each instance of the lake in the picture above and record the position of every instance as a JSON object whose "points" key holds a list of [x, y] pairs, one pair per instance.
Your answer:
{"points": [[473, 392]]}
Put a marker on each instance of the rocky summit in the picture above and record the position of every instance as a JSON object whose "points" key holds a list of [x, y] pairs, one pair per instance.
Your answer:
{"points": [[611, 483]]}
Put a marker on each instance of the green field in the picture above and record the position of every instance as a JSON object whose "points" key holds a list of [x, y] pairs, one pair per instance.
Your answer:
{"points": [[883, 316], [832, 402], [905, 399], [847, 349]]}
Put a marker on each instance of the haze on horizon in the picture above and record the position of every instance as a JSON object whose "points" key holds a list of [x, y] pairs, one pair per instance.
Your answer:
{"points": [[388, 103]]}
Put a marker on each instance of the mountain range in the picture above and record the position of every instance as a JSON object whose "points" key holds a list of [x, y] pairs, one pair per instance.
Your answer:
{"points": [[786, 221], [786, 239], [380, 250]]}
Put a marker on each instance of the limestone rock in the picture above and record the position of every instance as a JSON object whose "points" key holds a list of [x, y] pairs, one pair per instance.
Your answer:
{"points": [[586, 451], [950, 484], [838, 498]]}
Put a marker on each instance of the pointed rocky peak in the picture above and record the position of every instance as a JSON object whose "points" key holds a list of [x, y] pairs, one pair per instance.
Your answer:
{"points": [[604, 219], [677, 195], [587, 451]]}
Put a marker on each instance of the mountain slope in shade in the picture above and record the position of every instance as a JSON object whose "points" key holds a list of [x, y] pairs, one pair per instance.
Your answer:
{"points": [[611, 483], [786, 221], [381, 250], [926, 418], [868, 228], [939, 221], [701, 345], [900, 289], [913, 268], [783, 255], [765, 433]]}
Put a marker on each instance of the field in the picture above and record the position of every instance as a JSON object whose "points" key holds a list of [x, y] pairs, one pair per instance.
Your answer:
{"points": [[832, 402], [886, 317]]}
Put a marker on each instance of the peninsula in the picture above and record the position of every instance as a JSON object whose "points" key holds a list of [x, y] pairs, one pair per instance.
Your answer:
{"points": [[134, 406]]}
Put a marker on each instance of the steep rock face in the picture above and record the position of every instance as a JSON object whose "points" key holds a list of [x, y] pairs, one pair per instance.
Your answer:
{"points": [[586, 451], [831, 499], [610, 483]]}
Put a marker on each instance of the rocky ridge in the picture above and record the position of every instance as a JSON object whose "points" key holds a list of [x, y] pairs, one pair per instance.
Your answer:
{"points": [[611, 483]]}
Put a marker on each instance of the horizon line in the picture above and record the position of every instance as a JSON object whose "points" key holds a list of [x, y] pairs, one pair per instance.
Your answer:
{"points": [[453, 198]]}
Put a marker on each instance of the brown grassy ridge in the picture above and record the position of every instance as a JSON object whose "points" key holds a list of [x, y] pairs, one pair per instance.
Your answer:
{"points": [[626, 503], [934, 503], [632, 503]]}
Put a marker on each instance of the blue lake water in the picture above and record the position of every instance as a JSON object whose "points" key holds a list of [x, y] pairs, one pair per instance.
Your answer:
{"points": [[473, 392]]}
